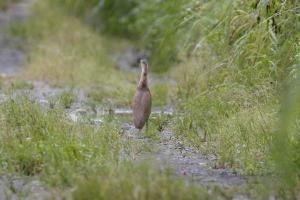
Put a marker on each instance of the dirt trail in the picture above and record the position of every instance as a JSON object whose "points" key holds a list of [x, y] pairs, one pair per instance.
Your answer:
{"points": [[169, 152]]}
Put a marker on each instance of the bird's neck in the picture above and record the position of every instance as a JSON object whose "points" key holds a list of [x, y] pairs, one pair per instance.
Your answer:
{"points": [[143, 83]]}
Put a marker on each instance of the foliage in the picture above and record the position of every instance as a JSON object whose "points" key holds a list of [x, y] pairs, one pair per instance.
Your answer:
{"points": [[34, 142], [232, 60], [142, 182], [92, 161], [155, 23], [286, 143], [234, 56], [66, 99], [232, 86], [80, 58], [19, 84]]}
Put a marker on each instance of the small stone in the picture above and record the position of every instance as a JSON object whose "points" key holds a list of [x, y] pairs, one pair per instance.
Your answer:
{"points": [[81, 111], [97, 121]]}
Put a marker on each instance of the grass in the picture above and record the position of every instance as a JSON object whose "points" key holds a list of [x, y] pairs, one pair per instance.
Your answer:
{"points": [[233, 121], [19, 84], [79, 58], [231, 62], [160, 93], [135, 20], [229, 90], [36, 143], [134, 183], [94, 163], [11, 84], [66, 99], [285, 147]]}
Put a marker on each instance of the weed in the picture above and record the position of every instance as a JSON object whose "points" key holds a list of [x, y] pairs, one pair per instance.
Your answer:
{"points": [[67, 98], [19, 84]]}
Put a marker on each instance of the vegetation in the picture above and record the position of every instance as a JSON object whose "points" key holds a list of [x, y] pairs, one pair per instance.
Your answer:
{"points": [[66, 99], [21, 84], [236, 68], [236, 57], [34, 142], [69, 58], [232, 89]]}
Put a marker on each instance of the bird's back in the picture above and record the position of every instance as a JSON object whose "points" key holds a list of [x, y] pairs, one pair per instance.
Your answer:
{"points": [[141, 107]]}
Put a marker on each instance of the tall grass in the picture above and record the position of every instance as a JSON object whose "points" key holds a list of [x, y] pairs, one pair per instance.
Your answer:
{"points": [[232, 89], [285, 147]]}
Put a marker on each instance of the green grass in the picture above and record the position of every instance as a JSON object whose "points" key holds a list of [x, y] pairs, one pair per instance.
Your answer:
{"points": [[93, 163], [229, 78], [149, 24], [231, 60], [77, 58], [160, 93], [80, 58], [19, 84], [285, 146], [231, 120], [66, 99], [137, 183], [34, 142], [229, 90]]}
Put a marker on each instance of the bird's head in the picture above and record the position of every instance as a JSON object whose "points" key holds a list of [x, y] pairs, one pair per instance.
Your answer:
{"points": [[144, 65]]}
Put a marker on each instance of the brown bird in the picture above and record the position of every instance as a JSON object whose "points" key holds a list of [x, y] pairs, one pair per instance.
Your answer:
{"points": [[142, 99]]}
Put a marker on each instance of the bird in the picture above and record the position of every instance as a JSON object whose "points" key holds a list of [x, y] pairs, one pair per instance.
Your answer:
{"points": [[142, 99]]}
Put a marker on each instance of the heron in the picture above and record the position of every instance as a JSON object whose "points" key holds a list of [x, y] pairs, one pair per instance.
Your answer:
{"points": [[142, 99]]}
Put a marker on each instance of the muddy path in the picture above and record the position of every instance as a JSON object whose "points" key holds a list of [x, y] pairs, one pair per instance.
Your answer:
{"points": [[169, 152]]}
